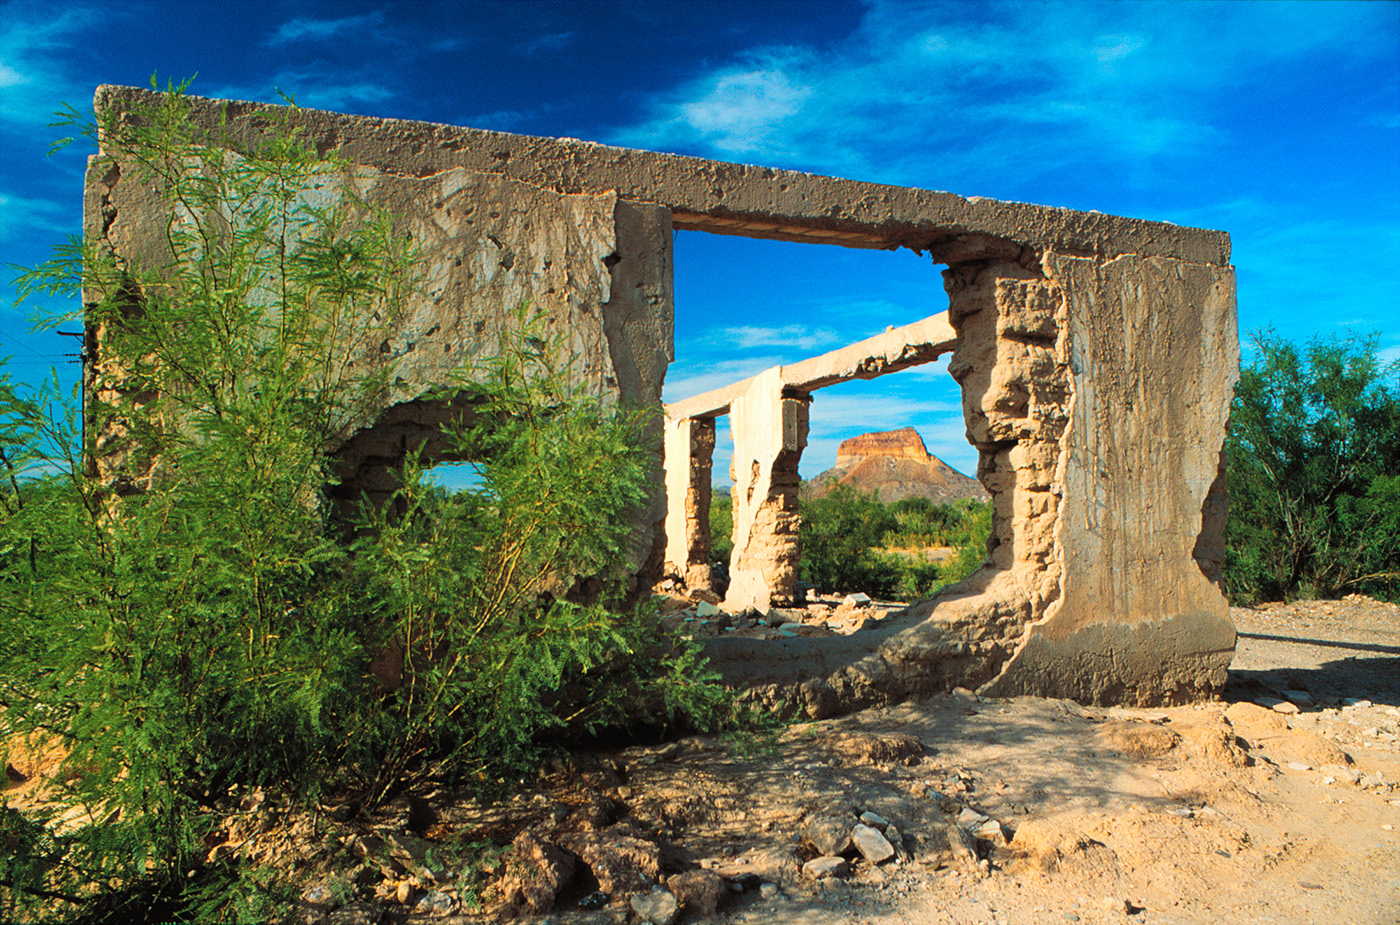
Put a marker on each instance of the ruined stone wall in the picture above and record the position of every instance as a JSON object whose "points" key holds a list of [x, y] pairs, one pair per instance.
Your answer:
{"points": [[1096, 356]]}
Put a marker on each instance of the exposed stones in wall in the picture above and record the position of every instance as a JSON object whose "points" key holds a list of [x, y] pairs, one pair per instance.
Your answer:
{"points": [[1153, 359], [1096, 357], [690, 446], [770, 432]]}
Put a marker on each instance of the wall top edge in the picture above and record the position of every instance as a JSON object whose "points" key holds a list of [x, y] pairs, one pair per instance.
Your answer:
{"points": [[716, 196]]}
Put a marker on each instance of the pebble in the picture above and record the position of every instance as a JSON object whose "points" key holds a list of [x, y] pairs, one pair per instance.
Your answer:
{"points": [[875, 820], [822, 868], [970, 818], [1299, 766], [436, 903], [658, 907], [871, 844]]}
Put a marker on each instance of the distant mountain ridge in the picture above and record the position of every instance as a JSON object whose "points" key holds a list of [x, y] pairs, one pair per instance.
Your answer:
{"points": [[897, 465]]}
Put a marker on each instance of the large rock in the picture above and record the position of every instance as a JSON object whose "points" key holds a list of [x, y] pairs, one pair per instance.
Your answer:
{"points": [[620, 864], [896, 465], [536, 873]]}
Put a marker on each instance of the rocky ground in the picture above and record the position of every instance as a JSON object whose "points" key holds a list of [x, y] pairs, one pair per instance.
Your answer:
{"points": [[1277, 804]]}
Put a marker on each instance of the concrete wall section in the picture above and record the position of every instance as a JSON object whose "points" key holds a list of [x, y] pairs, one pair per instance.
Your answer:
{"points": [[721, 197], [770, 432], [1155, 356]]}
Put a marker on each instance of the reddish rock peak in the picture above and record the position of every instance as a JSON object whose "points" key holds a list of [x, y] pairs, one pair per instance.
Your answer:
{"points": [[904, 443]]}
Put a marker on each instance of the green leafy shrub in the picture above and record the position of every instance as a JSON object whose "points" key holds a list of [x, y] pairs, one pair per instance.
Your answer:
{"points": [[1313, 456], [843, 532], [200, 624]]}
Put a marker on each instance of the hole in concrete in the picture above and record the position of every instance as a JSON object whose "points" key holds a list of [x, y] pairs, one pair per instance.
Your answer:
{"points": [[746, 305], [453, 476]]}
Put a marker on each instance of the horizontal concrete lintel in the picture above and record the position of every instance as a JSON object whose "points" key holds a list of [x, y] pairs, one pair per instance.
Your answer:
{"points": [[951, 228], [887, 352]]}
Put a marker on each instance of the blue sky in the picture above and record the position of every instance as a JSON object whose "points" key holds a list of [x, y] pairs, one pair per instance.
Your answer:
{"points": [[1277, 122]]}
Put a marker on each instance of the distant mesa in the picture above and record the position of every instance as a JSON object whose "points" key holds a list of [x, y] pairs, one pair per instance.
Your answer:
{"points": [[897, 465]]}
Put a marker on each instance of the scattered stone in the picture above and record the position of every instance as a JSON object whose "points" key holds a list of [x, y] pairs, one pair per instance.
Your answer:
{"points": [[970, 818], [824, 867], [872, 845], [698, 892], [404, 893], [536, 873], [829, 835], [595, 900], [875, 820], [768, 890], [1284, 706], [896, 839], [706, 609], [620, 864], [1355, 703], [946, 845], [991, 831], [658, 907], [1299, 766], [436, 903], [355, 913], [1301, 698], [963, 693], [859, 599]]}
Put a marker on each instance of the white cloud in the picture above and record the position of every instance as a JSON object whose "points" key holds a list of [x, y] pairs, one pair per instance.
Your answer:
{"points": [[1388, 355], [308, 29], [21, 215], [313, 87], [695, 377], [36, 41], [1024, 87], [795, 336]]}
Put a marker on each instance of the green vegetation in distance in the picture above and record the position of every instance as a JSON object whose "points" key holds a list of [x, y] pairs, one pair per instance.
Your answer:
{"points": [[203, 625], [846, 536], [1314, 472]]}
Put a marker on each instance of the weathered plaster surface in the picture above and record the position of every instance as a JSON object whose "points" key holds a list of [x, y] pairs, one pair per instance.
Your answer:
{"points": [[1095, 353], [770, 432]]}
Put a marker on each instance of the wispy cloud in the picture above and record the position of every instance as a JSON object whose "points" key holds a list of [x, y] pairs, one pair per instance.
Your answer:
{"points": [[310, 29], [547, 44], [794, 336], [1030, 87], [20, 215], [35, 43], [695, 376], [315, 86]]}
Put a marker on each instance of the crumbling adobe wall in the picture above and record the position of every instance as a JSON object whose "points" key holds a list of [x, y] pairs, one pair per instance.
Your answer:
{"points": [[1096, 356], [597, 269], [1096, 392]]}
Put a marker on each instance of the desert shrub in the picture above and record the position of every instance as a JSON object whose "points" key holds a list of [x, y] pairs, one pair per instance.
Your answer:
{"points": [[200, 624], [721, 528], [843, 532], [840, 534], [1313, 455]]}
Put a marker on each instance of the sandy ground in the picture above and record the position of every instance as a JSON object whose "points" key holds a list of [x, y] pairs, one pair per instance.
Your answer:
{"points": [[1277, 804], [1221, 812]]}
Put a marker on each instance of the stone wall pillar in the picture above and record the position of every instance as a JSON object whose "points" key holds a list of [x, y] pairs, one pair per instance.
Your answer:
{"points": [[690, 446], [770, 432]]}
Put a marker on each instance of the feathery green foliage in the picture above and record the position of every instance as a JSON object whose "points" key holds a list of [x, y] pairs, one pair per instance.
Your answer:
{"points": [[196, 624], [1314, 452]]}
